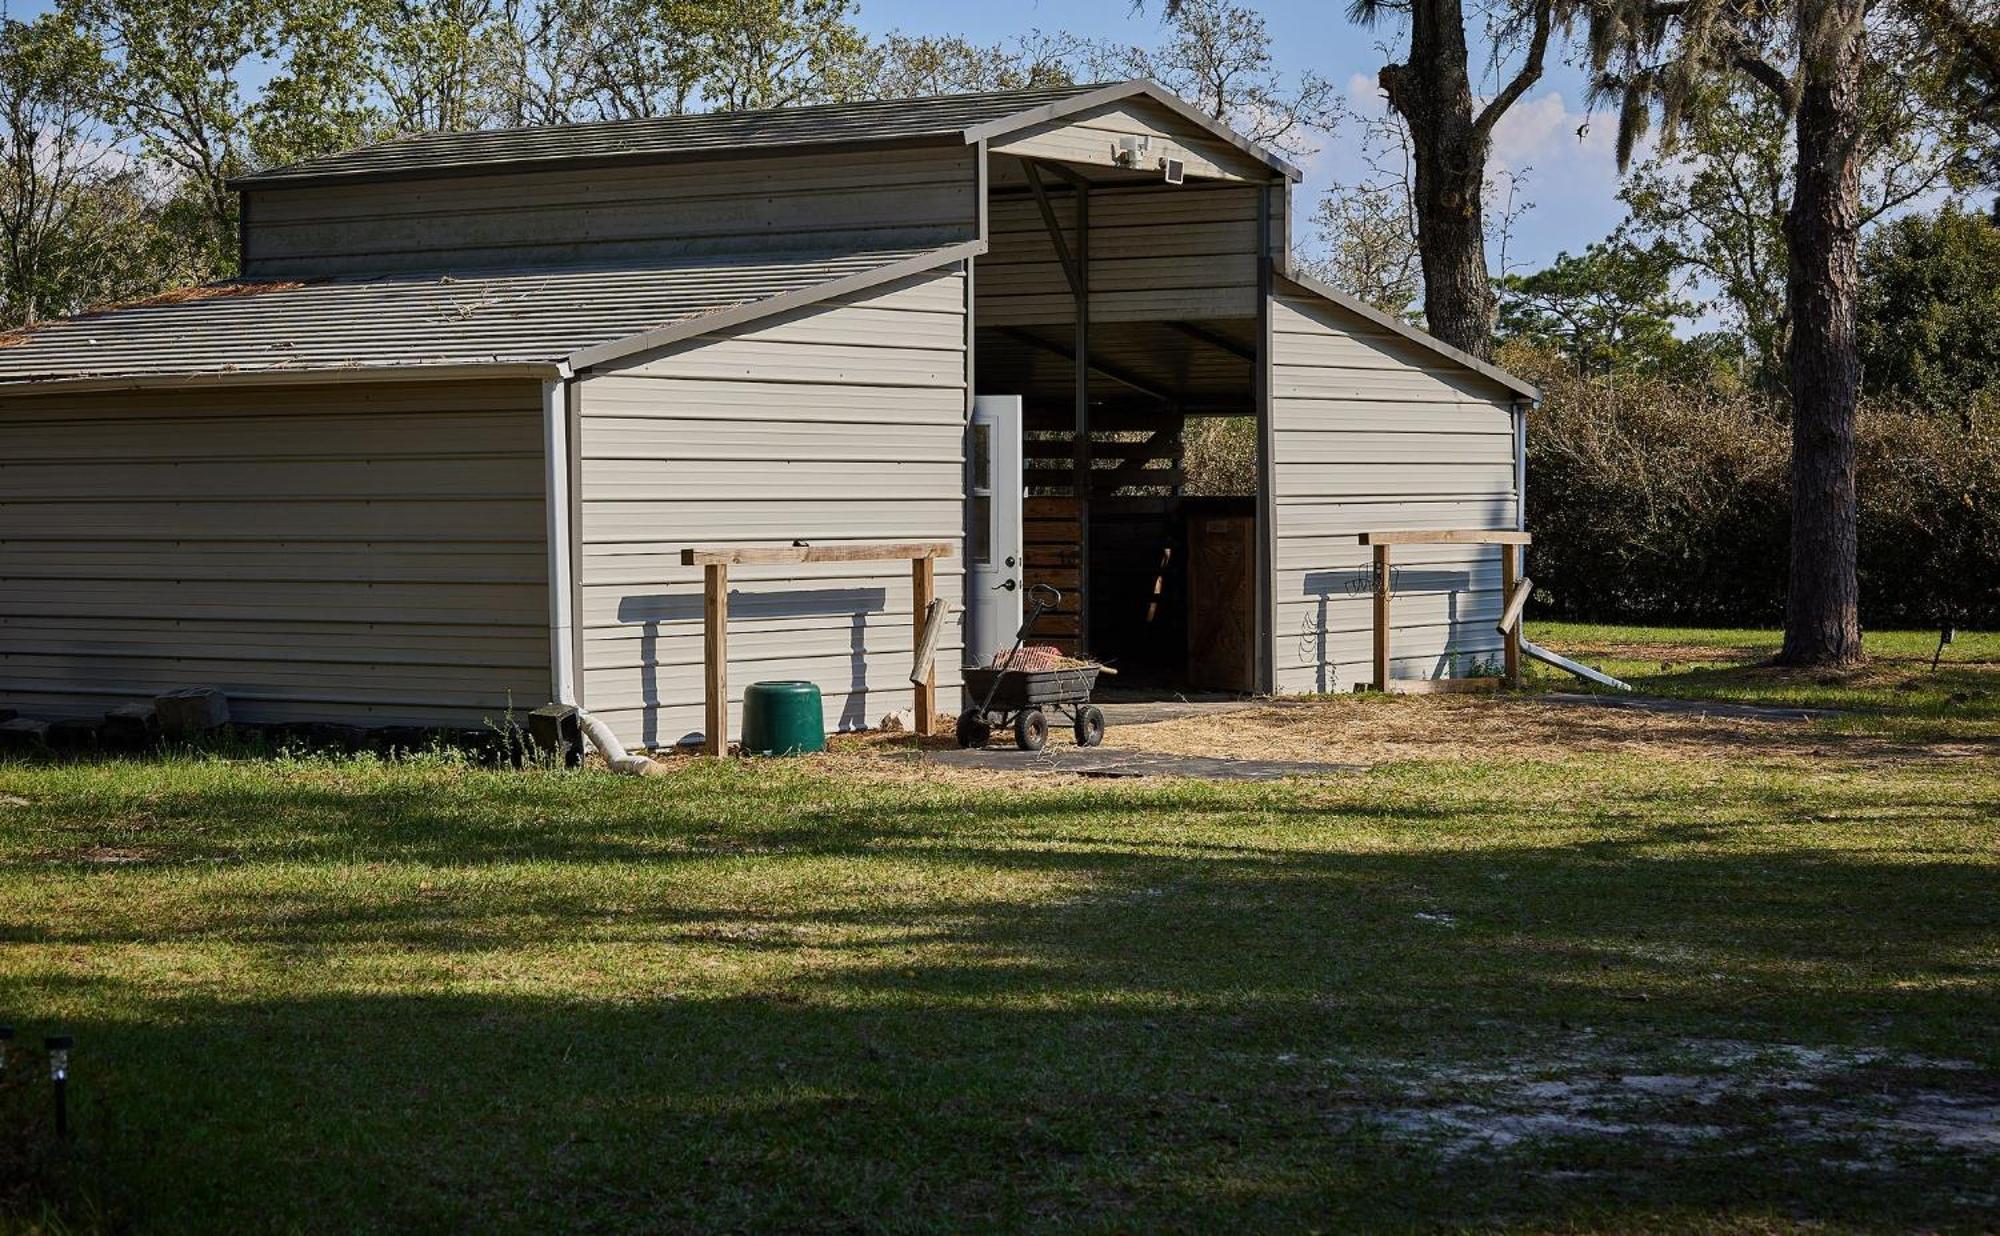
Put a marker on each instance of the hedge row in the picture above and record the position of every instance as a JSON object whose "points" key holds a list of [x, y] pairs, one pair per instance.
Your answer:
{"points": [[1660, 502]]}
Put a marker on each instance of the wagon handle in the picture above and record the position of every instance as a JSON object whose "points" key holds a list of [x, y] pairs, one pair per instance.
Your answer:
{"points": [[1046, 598]]}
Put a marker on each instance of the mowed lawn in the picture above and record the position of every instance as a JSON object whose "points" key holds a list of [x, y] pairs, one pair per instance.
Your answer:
{"points": [[1726, 988]]}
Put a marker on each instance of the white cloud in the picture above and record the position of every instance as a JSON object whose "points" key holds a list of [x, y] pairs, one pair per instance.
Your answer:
{"points": [[1564, 156]]}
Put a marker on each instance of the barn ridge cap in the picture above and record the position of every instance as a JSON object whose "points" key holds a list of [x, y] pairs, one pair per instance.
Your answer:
{"points": [[965, 119]]}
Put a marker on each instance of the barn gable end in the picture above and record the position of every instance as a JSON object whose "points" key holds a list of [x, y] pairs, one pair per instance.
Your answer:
{"points": [[1375, 431], [838, 421]]}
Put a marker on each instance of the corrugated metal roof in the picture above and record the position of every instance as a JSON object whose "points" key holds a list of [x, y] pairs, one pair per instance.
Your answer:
{"points": [[884, 120], [535, 316]]}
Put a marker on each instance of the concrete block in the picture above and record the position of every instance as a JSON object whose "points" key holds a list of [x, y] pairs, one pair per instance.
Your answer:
{"points": [[403, 739], [24, 734], [328, 736], [189, 711], [555, 730], [129, 726], [75, 733]]}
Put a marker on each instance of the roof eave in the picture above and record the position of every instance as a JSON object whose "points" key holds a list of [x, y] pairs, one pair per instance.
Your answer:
{"points": [[751, 311], [1424, 339], [302, 376], [274, 179], [1137, 87]]}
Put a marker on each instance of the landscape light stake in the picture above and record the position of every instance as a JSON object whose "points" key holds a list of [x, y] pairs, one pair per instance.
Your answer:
{"points": [[6, 1038], [1945, 636], [59, 1045]]}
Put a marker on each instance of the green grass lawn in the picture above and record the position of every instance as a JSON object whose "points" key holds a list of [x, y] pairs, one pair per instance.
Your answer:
{"points": [[1599, 993], [1897, 692]]}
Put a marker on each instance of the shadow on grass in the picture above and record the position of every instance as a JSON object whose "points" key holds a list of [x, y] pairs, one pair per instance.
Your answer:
{"points": [[1045, 1016]]}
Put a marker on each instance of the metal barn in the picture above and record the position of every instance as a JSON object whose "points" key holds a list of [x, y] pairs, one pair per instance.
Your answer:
{"points": [[441, 451]]}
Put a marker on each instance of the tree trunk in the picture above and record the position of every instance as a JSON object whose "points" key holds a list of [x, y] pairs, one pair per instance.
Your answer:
{"points": [[1433, 95], [1822, 228]]}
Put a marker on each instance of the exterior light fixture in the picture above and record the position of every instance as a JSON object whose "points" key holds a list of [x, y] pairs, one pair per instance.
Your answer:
{"points": [[58, 1047]]}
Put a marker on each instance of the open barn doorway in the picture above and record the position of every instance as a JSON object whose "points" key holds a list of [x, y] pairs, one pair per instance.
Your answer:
{"points": [[1131, 309]]}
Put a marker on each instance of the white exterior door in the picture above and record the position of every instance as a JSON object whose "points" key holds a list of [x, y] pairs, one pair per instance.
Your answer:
{"points": [[993, 549]]}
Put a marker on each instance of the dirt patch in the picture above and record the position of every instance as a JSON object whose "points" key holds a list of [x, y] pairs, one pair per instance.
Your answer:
{"points": [[1375, 729], [1862, 1108]]}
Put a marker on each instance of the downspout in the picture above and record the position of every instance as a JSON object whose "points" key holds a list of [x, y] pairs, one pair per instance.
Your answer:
{"points": [[556, 452], [1521, 409]]}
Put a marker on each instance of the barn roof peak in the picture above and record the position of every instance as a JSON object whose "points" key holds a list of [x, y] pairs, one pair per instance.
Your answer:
{"points": [[931, 119]]}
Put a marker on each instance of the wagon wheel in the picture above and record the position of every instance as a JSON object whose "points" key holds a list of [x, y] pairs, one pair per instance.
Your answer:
{"points": [[1031, 729], [1089, 725], [973, 731]]}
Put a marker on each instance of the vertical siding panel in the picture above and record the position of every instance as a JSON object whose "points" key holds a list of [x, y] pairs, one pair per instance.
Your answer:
{"points": [[368, 553], [840, 422], [1372, 433]]}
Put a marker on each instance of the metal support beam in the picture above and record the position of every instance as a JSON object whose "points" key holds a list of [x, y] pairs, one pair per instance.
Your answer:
{"points": [[1081, 362], [1124, 377], [1214, 339], [1266, 624], [1070, 269]]}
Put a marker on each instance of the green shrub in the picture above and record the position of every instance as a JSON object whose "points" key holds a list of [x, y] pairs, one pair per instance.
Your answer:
{"points": [[1653, 500]]}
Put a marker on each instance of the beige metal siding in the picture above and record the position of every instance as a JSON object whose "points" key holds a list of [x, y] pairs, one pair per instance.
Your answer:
{"points": [[857, 200], [1373, 432], [1157, 253], [368, 553], [1091, 137], [839, 422]]}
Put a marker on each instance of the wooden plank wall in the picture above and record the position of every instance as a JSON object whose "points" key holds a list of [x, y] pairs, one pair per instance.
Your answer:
{"points": [[1051, 531], [364, 553], [1373, 432], [802, 203], [1140, 456], [839, 422]]}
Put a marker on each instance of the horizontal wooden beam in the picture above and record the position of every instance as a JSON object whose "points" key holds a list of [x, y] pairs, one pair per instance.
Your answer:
{"points": [[1446, 536], [773, 555]]}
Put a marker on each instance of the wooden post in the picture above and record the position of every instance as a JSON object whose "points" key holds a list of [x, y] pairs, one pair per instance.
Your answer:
{"points": [[1381, 617], [923, 585], [715, 562], [1510, 574], [715, 658]]}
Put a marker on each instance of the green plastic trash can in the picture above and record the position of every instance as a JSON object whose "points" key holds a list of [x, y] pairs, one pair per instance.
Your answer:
{"points": [[783, 718]]}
